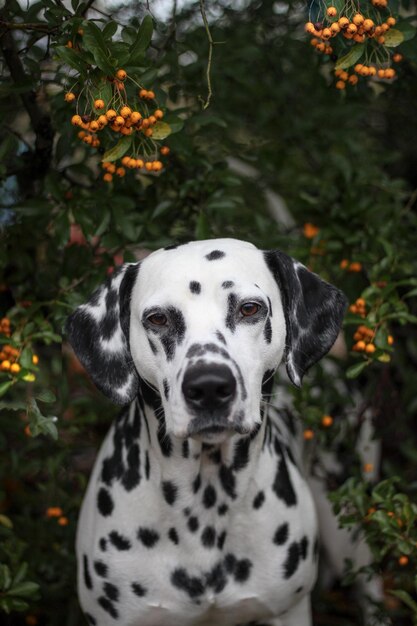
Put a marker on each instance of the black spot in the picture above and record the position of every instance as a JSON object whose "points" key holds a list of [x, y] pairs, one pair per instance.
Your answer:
{"points": [[241, 456], [166, 388], [103, 544], [258, 500], [138, 590], [164, 439], [185, 449], [208, 537], [304, 548], [100, 568], [299, 589], [282, 483], [230, 320], [192, 585], [269, 306], [131, 477], [214, 255], [220, 337], [170, 491], [227, 284], [119, 542], [193, 524], [87, 575], [148, 537], [216, 578], [221, 539], [222, 509], [173, 535], [147, 465], [242, 570], [105, 502], [175, 335], [281, 534], [187, 511], [230, 562], [216, 456], [292, 560], [197, 483], [195, 287], [209, 496], [153, 346], [108, 606], [268, 331], [90, 619], [111, 591], [227, 480]]}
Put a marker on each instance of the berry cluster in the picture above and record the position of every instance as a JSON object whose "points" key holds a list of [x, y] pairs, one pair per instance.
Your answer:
{"points": [[356, 27], [57, 512], [9, 355], [118, 115], [350, 266], [358, 308]]}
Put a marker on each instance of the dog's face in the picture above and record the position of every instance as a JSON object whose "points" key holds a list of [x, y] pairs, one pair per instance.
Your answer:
{"points": [[205, 324]]}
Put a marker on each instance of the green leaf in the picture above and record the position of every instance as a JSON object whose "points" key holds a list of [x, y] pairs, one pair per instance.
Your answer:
{"points": [[393, 38], [46, 396], [6, 521], [161, 130], [119, 149], [406, 29], [94, 42], [103, 91], [26, 589], [354, 370], [5, 577], [406, 598], [176, 123], [4, 387], [351, 57], [71, 57], [143, 39], [109, 30]]}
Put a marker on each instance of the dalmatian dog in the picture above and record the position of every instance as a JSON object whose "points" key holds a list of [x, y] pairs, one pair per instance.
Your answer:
{"points": [[197, 512]]}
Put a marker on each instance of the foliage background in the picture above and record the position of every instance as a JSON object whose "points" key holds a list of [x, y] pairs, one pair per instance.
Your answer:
{"points": [[345, 162]]}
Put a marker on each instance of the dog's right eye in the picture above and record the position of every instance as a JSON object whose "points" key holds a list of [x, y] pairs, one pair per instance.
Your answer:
{"points": [[157, 319]]}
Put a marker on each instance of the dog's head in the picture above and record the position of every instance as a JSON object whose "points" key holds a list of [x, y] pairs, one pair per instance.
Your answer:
{"points": [[205, 324]]}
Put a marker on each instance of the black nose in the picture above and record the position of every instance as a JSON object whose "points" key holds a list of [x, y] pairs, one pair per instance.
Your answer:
{"points": [[209, 387]]}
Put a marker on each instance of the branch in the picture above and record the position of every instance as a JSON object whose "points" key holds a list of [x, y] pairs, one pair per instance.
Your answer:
{"points": [[27, 26], [206, 103]]}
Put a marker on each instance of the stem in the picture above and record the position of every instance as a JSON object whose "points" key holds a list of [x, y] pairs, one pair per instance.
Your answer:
{"points": [[206, 103]]}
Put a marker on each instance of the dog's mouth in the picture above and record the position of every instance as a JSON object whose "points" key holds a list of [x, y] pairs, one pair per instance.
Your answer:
{"points": [[213, 434]]}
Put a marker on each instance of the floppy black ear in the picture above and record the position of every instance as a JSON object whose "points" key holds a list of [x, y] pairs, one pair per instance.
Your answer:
{"points": [[98, 331], [313, 311]]}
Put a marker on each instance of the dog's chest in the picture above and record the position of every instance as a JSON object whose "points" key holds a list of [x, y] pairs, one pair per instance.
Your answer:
{"points": [[209, 544]]}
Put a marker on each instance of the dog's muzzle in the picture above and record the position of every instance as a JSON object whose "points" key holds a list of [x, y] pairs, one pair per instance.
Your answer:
{"points": [[209, 391]]}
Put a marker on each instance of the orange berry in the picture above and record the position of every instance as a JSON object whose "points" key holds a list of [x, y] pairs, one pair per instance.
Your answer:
{"points": [[102, 121], [327, 33], [359, 346], [143, 93], [344, 264], [397, 57], [309, 28], [111, 168], [27, 431], [331, 11], [403, 560], [125, 112], [389, 73], [80, 31], [368, 25], [148, 132], [344, 75], [68, 44], [135, 117], [111, 115], [119, 121], [352, 29], [321, 47], [357, 336], [81, 134], [126, 131], [340, 85], [343, 22], [15, 368], [157, 166], [94, 126], [148, 166], [152, 119], [372, 70], [35, 359], [125, 160], [368, 467], [335, 28], [371, 510], [390, 340], [327, 421], [150, 95], [140, 163], [88, 139], [353, 308], [159, 114], [120, 172], [69, 97], [54, 511], [63, 521], [108, 177], [370, 348], [76, 120], [353, 79], [355, 267], [99, 104], [308, 434], [358, 19], [165, 150], [121, 74], [381, 39], [132, 163], [360, 302], [381, 73], [3, 356], [391, 21]]}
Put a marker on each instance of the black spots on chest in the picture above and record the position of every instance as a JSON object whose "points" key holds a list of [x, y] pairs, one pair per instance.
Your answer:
{"points": [[222, 509], [100, 569], [111, 591], [193, 524], [192, 585], [268, 331], [138, 589], [86, 571], [241, 455], [209, 496], [228, 481], [282, 485], [119, 541], [125, 437], [173, 536], [166, 388], [131, 476], [103, 544], [216, 579], [239, 568], [105, 502], [214, 255], [147, 465], [297, 551], [196, 483], [221, 539], [228, 284], [281, 534], [90, 619], [208, 537], [165, 442], [185, 449], [148, 537], [170, 491], [230, 320], [258, 500], [195, 287], [108, 606]]}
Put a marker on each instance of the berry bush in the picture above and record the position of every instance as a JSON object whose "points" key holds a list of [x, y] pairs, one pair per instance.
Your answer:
{"points": [[124, 132]]}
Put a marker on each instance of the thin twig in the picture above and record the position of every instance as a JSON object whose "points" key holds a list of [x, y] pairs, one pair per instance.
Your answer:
{"points": [[206, 103], [28, 26]]}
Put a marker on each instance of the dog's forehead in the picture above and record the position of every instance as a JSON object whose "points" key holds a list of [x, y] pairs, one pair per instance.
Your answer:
{"points": [[202, 266]]}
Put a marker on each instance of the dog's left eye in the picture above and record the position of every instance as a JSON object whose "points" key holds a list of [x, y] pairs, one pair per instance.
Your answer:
{"points": [[158, 319], [249, 308]]}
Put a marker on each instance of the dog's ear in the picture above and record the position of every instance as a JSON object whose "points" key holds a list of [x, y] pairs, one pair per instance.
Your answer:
{"points": [[98, 331], [313, 311]]}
